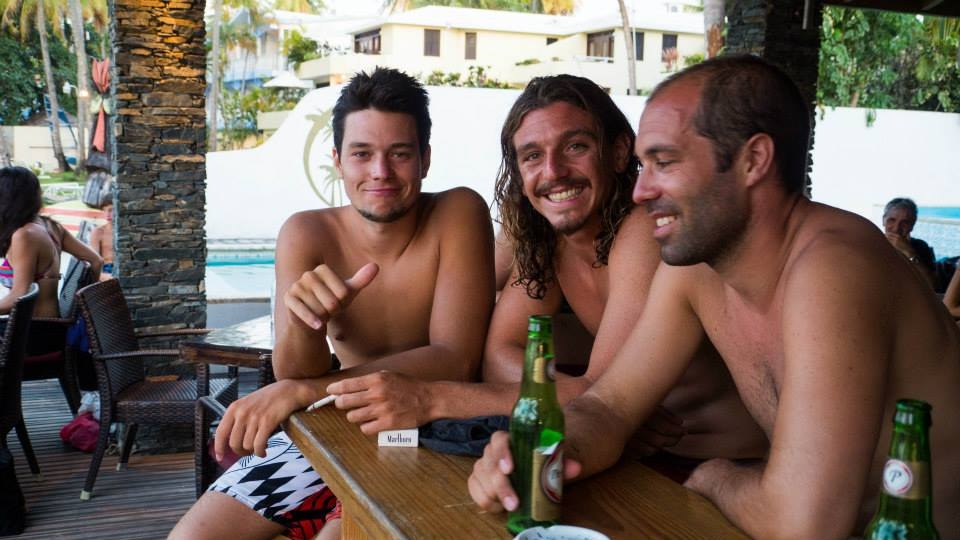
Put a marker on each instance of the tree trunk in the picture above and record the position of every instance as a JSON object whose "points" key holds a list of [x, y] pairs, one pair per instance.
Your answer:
{"points": [[214, 76], [631, 50], [713, 22], [4, 149], [62, 165], [83, 79]]}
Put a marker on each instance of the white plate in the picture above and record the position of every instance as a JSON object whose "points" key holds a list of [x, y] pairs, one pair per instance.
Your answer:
{"points": [[561, 532]]}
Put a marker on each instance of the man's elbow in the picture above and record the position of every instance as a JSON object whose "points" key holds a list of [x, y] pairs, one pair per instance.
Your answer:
{"points": [[788, 520]]}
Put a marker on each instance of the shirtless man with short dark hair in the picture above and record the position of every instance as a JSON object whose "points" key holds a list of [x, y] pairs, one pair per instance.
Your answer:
{"points": [[564, 194], [822, 325], [398, 280]]}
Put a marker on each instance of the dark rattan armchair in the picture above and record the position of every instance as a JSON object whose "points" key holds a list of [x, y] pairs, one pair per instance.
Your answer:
{"points": [[48, 354], [125, 393], [12, 350]]}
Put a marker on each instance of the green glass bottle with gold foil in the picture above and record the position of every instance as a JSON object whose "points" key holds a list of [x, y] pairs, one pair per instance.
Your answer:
{"points": [[905, 511], [536, 429]]}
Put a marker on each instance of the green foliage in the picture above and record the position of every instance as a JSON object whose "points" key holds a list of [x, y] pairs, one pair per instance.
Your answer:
{"points": [[300, 48], [884, 60], [17, 91], [476, 78], [692, 59], [239, 108], [19, 62], [502, 5], [528, 61]]}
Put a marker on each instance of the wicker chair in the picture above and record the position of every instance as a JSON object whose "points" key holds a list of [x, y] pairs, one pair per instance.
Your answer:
{"points": [[208, 413], [125, 393], [48, 354], [12, 350]]}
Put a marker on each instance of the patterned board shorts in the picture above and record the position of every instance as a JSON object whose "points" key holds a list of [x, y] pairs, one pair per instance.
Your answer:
{"points": [[281, 487]]}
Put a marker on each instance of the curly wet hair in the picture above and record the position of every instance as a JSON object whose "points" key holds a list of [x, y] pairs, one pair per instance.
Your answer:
{"points": [[20, 202], [532, 236]]}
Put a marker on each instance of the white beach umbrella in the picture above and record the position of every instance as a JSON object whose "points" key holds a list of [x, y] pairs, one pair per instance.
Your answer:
{"points": [[288, 80]]}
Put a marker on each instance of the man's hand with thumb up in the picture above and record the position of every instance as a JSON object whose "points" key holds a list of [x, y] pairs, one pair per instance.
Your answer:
{"points": [[320, 294]]}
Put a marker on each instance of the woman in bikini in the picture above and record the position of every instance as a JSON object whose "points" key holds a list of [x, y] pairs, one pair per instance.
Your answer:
{"points": [[31, 244]]}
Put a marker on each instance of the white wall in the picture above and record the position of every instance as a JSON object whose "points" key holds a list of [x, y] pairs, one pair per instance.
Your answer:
{"points": [[903, 154], [251, 192], [31, 144]]}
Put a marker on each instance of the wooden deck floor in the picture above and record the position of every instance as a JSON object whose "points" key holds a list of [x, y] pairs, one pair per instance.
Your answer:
{"points": [[141, 503]]}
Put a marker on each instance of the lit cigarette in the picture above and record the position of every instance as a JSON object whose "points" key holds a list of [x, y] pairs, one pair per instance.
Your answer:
{"points": [[320, 403]]}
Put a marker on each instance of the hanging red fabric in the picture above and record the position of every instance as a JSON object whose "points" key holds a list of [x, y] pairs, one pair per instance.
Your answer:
{"points": [[101, 79]]}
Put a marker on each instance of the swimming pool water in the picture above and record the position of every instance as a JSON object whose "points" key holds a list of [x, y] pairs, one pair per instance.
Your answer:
{"points": [[939, 226], [239, 274]]}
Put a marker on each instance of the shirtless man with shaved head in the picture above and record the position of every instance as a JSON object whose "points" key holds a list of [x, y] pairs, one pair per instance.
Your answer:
{"points": [[823, 325]]}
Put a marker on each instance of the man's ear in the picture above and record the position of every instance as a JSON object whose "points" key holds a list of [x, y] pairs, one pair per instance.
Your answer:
{"points": [[757, 158], [336, 162], [425, 163], [621, 153]]}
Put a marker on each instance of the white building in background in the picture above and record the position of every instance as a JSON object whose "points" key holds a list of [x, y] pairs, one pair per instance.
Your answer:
{"points": [[267, 59], [514, 47]]}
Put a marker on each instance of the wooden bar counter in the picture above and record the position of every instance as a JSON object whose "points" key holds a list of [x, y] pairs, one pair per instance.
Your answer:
{"points": [[418, 493]]}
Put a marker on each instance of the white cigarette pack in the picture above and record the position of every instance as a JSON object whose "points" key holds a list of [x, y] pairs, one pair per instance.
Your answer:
{"points": [[399, 437]]}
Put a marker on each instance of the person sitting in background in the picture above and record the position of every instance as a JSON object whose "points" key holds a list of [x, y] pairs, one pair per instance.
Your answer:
{"points": [[899, 218], [398, 280], [101, 239], [31, 244]]}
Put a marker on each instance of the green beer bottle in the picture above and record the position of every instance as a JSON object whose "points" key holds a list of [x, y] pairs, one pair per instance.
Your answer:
{"points": [[905, 511], [536, 429]]}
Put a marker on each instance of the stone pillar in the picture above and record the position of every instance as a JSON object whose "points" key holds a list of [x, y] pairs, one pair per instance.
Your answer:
{"points": [[160, 155], [785, 32]]}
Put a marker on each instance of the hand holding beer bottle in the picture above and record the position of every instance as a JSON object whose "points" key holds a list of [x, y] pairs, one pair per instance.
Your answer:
{"points": [[536, 430]]}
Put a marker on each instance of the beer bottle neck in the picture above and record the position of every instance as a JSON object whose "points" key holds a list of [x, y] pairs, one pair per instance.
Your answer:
{"points": [[538, 361]]}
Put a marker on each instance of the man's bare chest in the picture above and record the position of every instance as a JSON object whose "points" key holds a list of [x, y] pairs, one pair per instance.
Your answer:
{"points": [[751, 344]]}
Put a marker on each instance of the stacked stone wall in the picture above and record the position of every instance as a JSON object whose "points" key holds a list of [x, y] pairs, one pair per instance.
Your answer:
{"points": [[785, 32], [159, 86]]}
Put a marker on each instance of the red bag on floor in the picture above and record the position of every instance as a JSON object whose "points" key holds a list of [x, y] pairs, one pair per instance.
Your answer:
{"points": [[81, 432]]}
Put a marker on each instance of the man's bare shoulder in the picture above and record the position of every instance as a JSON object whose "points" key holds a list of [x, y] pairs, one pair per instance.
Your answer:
{"points": [[458, 213], [320, 221], [838, 254], [635, 237], [448, 204], [310, 230], [832, 238]]}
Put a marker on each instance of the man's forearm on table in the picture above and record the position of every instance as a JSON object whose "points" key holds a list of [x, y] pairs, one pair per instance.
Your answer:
{"points": [[451, 399]]}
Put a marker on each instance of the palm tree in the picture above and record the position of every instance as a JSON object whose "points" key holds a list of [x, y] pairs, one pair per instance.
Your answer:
{"points": [[83, 88], [713, 16], [17, 14], [631, 50], [79, 10], [214, 75], [300, 6], [215, 59]]}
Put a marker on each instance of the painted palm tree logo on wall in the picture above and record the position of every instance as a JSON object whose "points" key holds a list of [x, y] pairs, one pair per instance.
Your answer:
{"points": [[322, 177]]}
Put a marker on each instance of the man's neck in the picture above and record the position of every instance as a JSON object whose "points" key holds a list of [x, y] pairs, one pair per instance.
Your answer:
{"points": [[387, 241], [580, 244], [755, 266]]}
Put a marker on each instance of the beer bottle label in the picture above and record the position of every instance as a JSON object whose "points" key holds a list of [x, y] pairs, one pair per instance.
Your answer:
{"points": [[906, 479], [547, 483], [543, 370]]}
